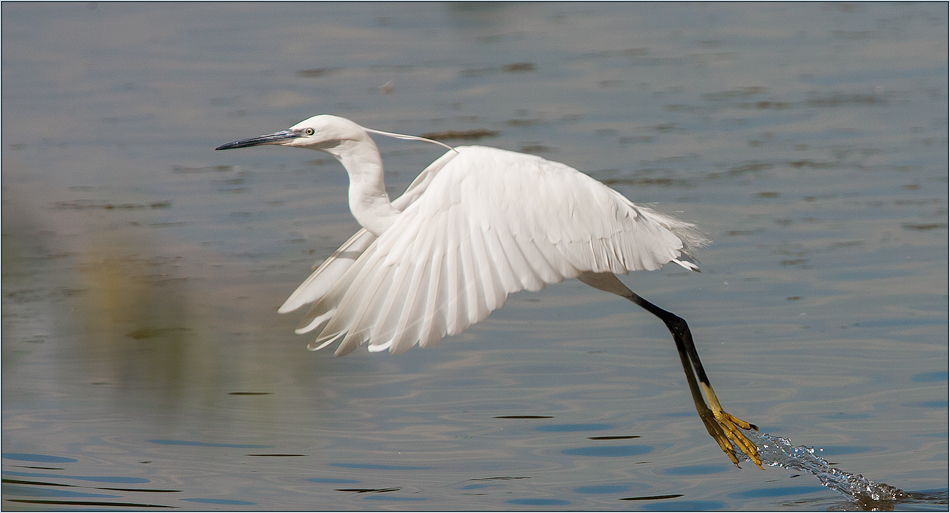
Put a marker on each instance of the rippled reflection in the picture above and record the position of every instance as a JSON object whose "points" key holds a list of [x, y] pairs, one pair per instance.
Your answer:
{"points": [[145, 366]]}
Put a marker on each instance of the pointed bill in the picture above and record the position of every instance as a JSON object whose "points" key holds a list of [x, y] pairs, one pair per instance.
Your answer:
{"points": [[274, 138]]}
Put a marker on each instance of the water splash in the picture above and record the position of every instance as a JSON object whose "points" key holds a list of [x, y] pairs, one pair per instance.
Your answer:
{"points": [[859, 490]]}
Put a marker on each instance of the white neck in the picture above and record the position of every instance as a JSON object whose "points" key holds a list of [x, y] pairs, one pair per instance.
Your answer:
{"points": [[368, 199]]}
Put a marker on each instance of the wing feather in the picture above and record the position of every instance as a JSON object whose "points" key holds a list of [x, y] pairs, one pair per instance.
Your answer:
{"points": [[519, 265], [452, 296], [491, 288], [402, 327], [469, 283], [501, 266], [432, 327], [407, 330], [330, 271]]}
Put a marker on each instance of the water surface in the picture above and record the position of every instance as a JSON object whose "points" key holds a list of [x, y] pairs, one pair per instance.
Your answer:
{"points": [[144, 363]]}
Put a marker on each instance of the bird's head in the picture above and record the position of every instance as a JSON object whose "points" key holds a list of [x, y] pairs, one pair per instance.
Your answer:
{"points": [[323, 132]]}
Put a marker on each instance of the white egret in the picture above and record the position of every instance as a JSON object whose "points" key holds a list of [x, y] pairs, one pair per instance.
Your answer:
{"points": [[476, 225]]}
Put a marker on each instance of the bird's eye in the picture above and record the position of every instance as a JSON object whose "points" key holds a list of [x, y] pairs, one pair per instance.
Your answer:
{"points": [[308, 131]]}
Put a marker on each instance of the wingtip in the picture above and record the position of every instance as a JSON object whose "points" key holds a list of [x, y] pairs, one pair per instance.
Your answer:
{"points": [[291, 303], [687, 264], [316, 346]]}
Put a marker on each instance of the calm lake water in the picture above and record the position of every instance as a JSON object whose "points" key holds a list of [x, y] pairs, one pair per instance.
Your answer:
{"points": [[144, 363]]}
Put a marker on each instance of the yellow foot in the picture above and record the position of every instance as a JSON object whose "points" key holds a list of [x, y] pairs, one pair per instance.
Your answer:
{"points": [[730, 425], [724, 428]]}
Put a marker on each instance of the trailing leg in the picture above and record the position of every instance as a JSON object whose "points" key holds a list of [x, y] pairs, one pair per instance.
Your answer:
{"points": [[723, 427]]}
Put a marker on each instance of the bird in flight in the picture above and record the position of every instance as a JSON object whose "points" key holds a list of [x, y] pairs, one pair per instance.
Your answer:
{"points": [[476, 225]]}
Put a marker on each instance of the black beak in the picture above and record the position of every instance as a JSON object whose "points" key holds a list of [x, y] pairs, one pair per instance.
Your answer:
{"points": [[274, 138]]}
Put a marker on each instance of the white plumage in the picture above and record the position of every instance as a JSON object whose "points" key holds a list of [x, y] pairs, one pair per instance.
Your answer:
{"points": [[475, 226]]}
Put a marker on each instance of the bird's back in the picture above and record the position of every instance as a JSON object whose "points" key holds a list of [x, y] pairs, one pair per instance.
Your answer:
{"points": [[593, 227]]}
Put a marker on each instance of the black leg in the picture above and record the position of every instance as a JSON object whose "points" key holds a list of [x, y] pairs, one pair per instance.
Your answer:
{"points": [[724, 428], [720, 425]]}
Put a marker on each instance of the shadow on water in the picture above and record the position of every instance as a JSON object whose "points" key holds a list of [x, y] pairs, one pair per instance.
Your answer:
{"points": [[861, 492]]}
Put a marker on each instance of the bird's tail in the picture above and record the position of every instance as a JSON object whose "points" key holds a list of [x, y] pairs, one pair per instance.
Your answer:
{"points": [[690, 235]]}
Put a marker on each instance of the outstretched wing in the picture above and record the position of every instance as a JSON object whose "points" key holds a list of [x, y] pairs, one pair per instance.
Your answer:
{"points": [[490, 223], [320, 281]]}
